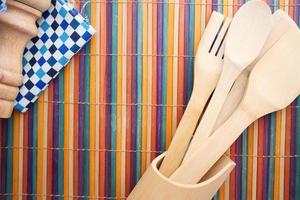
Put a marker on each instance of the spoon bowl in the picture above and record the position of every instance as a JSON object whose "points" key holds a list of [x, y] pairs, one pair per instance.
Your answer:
{"points": [[248, 33], [281, 24]]}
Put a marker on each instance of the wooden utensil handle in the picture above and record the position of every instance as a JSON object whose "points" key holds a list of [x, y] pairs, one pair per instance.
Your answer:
{"points": [[233, 99], [207, 71], [194, 168], [229, 74], [180, 142]]}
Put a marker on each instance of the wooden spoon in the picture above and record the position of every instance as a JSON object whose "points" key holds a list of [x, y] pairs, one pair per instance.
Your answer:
{"points": [[281, 23], [273, 84], [208, 67], [246, 37]]}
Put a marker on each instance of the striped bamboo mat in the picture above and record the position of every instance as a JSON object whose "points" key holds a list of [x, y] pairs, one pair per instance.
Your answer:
{"points": [[117, 104]]}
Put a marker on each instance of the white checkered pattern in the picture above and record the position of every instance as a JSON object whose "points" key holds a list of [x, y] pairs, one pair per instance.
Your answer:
{"points": [[62, 33]]}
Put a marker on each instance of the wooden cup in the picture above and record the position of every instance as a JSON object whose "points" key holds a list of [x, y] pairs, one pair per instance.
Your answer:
{"points": [[17, 27], [154, 186]]}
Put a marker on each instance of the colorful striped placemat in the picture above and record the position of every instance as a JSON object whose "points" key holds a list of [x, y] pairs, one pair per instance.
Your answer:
{"points": [[118, 102]]}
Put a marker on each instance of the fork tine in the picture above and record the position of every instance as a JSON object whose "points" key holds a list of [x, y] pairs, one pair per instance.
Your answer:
{"points": [[211, 30], [218, 48], [220, 53], [221, 48]]}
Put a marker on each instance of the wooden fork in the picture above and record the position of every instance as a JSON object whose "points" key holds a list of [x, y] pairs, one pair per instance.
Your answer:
{"points": [[208, 67]]}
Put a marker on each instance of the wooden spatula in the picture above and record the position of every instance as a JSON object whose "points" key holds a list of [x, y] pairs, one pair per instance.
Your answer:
{"points": [[273, 84], [246, 37], [208, 67], [281, 24]]}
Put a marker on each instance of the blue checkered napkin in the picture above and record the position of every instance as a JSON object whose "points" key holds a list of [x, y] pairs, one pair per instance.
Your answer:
{"points": [[2, 6], [62, 32]]}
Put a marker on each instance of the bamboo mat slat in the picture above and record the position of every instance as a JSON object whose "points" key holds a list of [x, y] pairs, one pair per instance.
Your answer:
{"points": [[116, 106]]}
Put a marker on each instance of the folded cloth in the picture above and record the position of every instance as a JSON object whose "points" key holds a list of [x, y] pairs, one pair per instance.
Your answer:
{"points": [[2, 6], [62, 32]]}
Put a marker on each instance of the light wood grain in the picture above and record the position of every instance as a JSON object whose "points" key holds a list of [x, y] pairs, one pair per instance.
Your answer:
{"points": [[281, 23], [245, 39], [207, 71], [17, 28], [41, 5], [154, 186], [273, 84]]}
